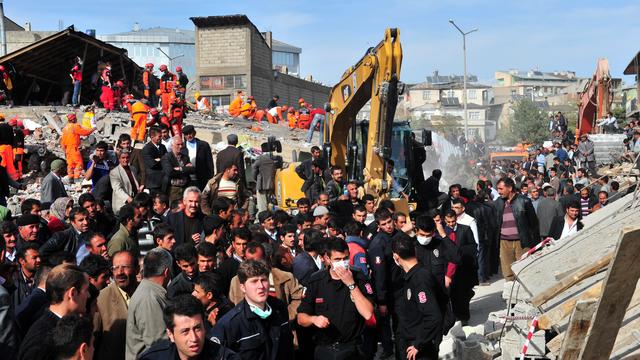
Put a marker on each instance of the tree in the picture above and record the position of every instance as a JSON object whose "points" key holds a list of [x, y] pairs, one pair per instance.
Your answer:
{"points": [[528, 123]]}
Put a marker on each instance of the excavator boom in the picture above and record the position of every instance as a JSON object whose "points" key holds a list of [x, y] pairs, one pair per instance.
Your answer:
{"points": [[596, 99], [374, 78]]}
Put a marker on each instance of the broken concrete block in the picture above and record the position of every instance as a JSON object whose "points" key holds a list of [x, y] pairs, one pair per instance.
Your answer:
{"points": [[473, 330], [450, 348], [457, 331]]}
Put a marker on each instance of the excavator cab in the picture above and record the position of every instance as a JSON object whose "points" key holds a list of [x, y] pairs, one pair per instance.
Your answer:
{"points": [[402, 154]]}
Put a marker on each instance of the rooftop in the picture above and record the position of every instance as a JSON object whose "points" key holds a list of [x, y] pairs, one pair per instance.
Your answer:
{"points": [[155, 34], [436, 78], [447, 86], [277, 45], [540, 75]]}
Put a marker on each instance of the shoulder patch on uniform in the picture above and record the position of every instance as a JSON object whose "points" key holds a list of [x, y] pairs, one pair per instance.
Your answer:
{"points": [[319, 300], [422, 297], [369, 289], [378, 260], [363, 260]]}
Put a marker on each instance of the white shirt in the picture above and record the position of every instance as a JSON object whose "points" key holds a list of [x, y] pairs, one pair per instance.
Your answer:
{"points": [[192, 148], [466, 219], [167, 143], [318, 261], [569, 229], [10, 256]]}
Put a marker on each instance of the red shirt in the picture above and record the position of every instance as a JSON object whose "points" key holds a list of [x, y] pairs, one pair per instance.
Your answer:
{"points": [[76, 73]]}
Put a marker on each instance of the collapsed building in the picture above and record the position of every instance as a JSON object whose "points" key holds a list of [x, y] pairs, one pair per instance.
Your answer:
{"points": [[40, 71]]}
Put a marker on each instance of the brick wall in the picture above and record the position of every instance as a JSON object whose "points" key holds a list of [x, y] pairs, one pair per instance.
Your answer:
{"points": [[260, 52], [290, 89], [222, 46]]}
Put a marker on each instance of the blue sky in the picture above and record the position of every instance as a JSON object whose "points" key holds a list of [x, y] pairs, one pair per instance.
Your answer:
{"points": [[549, 35]]}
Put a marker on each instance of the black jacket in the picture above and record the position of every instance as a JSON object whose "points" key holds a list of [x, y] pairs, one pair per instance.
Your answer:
{"points": [[169, 162], [153, 167], [22, 290], [304, 267], [557, 225], [176, 221], [204, 164], [526, 220], [467, 254], [230, 155], [66, 240], [35, 345], [166, 350], [180, 285], [227, 270], [386, 276], [30, 310], [253, 338]]}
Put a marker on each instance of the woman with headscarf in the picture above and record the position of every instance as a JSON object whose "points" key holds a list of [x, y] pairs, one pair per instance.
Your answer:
{"points": [[59, 212]]}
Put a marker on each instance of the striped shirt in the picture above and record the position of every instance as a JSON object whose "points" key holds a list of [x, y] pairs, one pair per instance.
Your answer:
{"points": [[509, 230], [227, 189]]}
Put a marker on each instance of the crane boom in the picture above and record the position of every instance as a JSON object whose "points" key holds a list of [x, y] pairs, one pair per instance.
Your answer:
{"points": [[374, 78]]}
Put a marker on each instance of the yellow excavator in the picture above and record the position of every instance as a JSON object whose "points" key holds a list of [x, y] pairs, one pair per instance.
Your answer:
{"points": [[366, 149]]}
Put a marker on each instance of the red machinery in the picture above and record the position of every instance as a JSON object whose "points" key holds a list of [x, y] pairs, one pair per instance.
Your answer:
{"points": [[595, 99]]}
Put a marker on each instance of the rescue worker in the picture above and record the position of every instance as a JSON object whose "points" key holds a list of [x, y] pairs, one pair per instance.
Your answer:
{"points": [[202, 104], [176, 112], [107, 97], [292, 118], [118, 90], [70, 142], [236, 104], [139, 114], [419, 317], [167, 83], [157, 118], [274, 115], [89, 117], [183, 80], [149, 83], [337, 303], [19, 133], [304, 114], [250, 110], [76, 80], [6, 148], [435, 251]]}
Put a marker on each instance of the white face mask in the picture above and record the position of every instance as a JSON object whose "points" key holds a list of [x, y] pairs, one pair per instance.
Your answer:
{"points": [[424, 240], [343, 264]]}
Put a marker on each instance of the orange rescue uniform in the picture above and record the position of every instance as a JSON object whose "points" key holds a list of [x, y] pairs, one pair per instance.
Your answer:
{"points": [[139, 113], [70, 142], [235, 106]]}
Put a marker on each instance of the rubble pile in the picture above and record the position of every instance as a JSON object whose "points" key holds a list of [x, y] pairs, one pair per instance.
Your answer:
{"points": [[47, 122]]}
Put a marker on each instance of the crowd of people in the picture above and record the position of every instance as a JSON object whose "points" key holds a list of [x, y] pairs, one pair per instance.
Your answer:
{"points": [[163, 255]]}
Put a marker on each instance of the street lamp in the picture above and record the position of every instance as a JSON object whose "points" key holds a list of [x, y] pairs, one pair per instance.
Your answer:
{"points": [[464, 94]]}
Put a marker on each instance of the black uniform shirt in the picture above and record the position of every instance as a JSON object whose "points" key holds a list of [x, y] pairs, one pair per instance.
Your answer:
{"points": [[332, 299], [419, 316]]}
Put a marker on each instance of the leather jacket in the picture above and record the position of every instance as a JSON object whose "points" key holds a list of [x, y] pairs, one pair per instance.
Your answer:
{"points": [[526, 220]]}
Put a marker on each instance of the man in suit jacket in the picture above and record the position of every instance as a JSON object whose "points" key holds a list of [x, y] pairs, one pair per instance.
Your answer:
{"points": [[199, 155], [569, 224], [188, 223], [68, 240], [123, 182], [8, 338], [264, 171], [110, 321], [465, 275], [67, 297], [177, 170], [152, 154], [231, 155], [52, 186], [35, 304]]}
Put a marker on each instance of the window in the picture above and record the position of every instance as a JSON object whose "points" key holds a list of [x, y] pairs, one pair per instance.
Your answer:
{"points": [[450, 93], [219, 100], [426, 95], [474, 115], [224, 82], [472, 94]]}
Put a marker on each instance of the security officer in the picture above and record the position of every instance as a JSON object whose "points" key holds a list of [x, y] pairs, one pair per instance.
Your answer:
{"points": [[435, 251], [419, 317], [337, 303], [258, 327]]}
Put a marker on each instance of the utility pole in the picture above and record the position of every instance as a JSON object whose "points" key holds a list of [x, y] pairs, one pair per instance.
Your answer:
{"points": [[464, 81], [3, 33], [168, 57]]}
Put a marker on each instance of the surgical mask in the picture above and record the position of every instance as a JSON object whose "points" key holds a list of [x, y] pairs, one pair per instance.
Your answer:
{"points": [[344, 264], [424, 240], [262, 314]]}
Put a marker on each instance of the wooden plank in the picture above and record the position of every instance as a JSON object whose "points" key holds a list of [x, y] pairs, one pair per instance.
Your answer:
{"points": [[578, 326], [554, 316], [623, 273], [567, 282]]}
